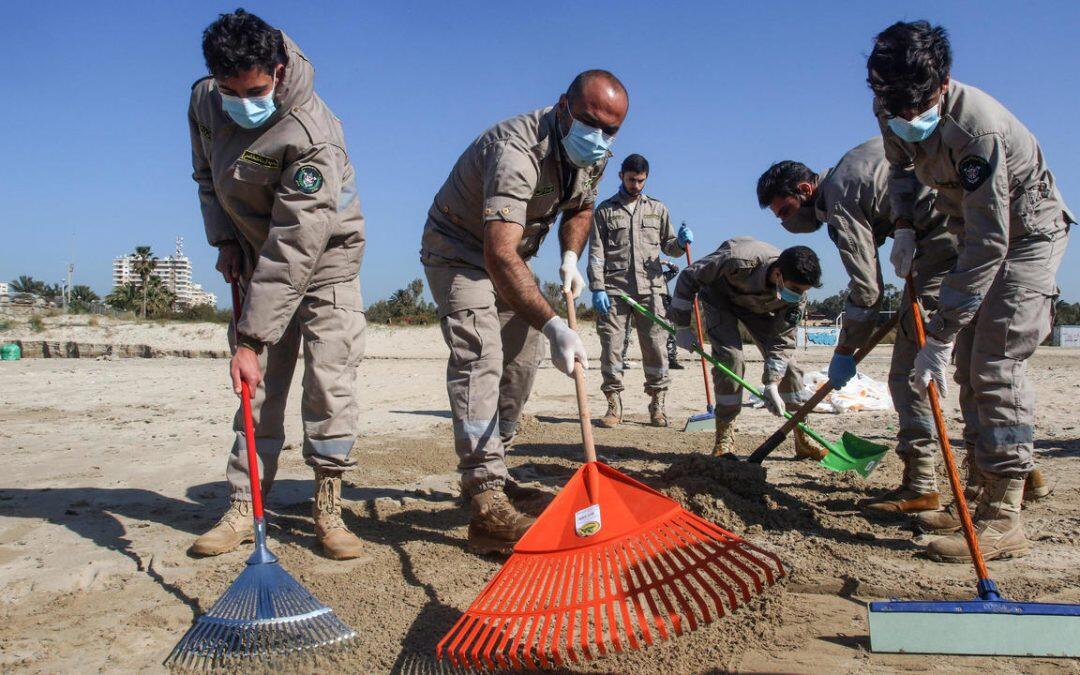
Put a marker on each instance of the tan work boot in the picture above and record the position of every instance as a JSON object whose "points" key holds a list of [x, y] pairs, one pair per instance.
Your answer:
{"points": [[902, 500], [614, 411], [496, 525], [233, 529], [997, 525], [657, 414], [948, 520], [528, 500], [1036, 487], [338, 543], [807, 448], [725, 439]]}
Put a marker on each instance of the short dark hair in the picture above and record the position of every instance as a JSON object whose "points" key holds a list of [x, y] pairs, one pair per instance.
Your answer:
{"points": [[635, 163], [801, 265], [573, 92], [241, 41], [908, 64], [781, 180]]}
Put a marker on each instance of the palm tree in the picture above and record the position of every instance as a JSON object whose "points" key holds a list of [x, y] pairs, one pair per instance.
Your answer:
{"points": [[123, 298], [82, 297], [27, 284], [143, 265]]}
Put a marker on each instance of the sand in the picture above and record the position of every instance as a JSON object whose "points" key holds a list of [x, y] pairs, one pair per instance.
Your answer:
{"points": [[113, 466]]}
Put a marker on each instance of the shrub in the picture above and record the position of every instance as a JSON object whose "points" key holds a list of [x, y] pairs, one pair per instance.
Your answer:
{"points": [[36, 324]]}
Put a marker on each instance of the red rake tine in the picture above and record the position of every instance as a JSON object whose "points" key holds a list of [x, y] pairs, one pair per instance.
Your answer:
{"points": [[668, 584], [650, 596]]}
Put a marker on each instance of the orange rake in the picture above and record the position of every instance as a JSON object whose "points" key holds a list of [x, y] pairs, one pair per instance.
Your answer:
{"points": [[610, 564]]}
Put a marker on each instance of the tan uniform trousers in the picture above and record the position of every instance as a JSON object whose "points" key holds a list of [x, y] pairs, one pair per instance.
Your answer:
{"points": [[916, 438], [494, 355], [653, 340], [331, 322], [722, 327], [996, 398]]}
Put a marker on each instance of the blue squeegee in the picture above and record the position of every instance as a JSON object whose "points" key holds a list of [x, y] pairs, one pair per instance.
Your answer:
{"points": [[989, 624]]}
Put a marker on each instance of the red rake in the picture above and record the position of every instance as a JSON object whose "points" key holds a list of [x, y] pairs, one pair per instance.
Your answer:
{"points": [[610, 565]]}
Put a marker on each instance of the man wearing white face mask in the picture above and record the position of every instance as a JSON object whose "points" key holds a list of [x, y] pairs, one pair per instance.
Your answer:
{"points": [[279, 202], [489, 218], [995, 305], [753, 284]]}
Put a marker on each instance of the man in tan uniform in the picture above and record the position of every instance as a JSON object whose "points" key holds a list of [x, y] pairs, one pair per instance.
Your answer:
{"points": [[630, 230], [488, 219], [852, 199], [754, 284], [996, 304], [279, 201]]}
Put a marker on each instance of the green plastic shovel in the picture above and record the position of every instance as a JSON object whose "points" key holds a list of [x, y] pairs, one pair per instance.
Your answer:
{"points": [[850, 453]]}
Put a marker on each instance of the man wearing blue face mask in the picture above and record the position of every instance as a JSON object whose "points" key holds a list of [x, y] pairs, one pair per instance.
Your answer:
{"points": [[852, 201], [279, 202], [751, 284], [995, 305], [488, 219]]}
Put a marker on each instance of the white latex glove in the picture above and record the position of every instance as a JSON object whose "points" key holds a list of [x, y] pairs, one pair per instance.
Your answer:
{"points": [[566, 346], [771, 397], [903, 251], [931, 364], [569, 275]]}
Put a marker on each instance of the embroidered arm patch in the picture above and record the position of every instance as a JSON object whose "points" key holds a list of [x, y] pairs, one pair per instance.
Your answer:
{"points": [[974, 171]]}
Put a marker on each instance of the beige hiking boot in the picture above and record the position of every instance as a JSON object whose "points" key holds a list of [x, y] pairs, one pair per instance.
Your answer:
{"points": [[496, 525], [807, 448], [233, 529], [337, 542], [528, 500], [997, 525], [903, 500], [947, 521], [725, 439], [657, 414], [1036, 487], [614, 411]]}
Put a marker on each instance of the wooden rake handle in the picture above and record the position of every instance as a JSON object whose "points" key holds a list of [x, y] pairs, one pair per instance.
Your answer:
{"points": [[579, 386], [946, 448], [774, 441]]}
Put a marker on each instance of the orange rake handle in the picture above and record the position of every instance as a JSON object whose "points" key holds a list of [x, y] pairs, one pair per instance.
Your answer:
{"points": [[946, 449], [593, 478], [701, 341]]}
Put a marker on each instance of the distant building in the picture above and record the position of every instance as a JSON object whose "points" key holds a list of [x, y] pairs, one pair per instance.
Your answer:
{"points": [[175, 274], [4, 292]]}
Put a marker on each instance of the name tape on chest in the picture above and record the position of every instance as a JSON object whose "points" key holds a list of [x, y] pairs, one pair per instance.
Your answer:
{"points": [[260, 160]]}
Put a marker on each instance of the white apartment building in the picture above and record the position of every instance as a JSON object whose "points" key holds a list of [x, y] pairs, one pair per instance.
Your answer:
{"points": [[175, 274]]}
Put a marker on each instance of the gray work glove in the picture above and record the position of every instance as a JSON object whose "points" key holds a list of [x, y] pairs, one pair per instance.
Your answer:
{"points": [[566, 346], [931, 364], [903, 251]]}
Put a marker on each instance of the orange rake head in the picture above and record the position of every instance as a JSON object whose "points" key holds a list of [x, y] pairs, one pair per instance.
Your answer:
{"points": [[611, 564]]}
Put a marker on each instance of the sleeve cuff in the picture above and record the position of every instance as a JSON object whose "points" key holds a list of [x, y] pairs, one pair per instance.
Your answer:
{"points": [[503, 208]]}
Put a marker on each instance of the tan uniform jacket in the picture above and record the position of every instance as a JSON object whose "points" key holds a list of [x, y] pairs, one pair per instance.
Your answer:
{"points": [[989, 171], [737, 273], [625, 247], [285, 191], [516, 171], [853, 200]]}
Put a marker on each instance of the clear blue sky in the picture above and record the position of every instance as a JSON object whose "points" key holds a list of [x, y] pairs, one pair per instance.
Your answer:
{"points": [[97, 93]]}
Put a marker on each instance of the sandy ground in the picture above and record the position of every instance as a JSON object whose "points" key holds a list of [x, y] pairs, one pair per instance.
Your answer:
{"points": [[112, 467]]}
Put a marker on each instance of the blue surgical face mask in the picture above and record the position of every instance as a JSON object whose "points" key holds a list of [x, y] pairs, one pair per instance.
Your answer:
{"points": [[789, 296], [919, 128], [249, 113], [585, 145]]}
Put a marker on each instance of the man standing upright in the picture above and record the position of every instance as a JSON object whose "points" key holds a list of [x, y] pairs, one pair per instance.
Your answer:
{"points": [[995, 305], [630, 230], [853, 200], [279, 202], [488, 219]]}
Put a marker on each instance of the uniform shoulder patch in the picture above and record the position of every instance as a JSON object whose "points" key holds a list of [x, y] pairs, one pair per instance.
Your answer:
{"points": [[793, 316], [261, 160], [974, 171], [308, 179], [204, 131]]}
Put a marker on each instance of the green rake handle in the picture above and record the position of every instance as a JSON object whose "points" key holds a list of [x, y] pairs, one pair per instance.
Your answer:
{"points": [[721, 367]]}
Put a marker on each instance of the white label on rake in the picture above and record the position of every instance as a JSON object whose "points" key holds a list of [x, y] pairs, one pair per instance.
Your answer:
{"points": [[587, 521]]}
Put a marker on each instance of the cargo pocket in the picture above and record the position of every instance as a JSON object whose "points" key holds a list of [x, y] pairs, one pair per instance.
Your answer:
{"points": [[348, 303], [1029, 211]]}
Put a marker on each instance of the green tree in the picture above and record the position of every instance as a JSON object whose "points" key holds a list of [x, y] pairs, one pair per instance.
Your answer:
{"points": [[1066, 313], [82, 297], [124, 298], [831, 307], [26, 284], [404, 306], [143, 267]]}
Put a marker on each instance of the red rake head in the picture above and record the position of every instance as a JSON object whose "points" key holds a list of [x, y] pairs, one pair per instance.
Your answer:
{"points": [[651, 571]]}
